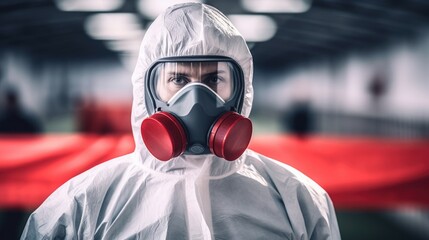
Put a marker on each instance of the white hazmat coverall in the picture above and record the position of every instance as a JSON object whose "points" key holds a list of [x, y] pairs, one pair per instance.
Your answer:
{"points": [[137, 196]]}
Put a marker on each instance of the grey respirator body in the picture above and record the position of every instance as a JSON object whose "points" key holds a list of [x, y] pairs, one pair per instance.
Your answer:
{"points": [[193, 105]]}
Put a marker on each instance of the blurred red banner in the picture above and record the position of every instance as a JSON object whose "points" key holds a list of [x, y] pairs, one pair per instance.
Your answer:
{"points": [[356, 172]]}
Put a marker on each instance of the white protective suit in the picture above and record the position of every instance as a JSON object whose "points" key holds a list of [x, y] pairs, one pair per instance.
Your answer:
{"points": [[192, 196]]}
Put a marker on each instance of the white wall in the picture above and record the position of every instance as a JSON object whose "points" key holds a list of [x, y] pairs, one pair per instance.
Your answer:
{"points": [[342, 86]]}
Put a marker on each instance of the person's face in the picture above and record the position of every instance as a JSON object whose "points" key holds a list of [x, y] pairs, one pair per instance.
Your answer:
{"points": [[174, 76]]}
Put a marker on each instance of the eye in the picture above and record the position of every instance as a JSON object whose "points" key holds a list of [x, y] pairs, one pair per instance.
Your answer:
{"points": [[213, 79], [179, 80]]}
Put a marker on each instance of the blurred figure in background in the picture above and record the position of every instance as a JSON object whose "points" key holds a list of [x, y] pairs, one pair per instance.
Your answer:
{"points": [[299, 119], [13, 118], [378, 87]]}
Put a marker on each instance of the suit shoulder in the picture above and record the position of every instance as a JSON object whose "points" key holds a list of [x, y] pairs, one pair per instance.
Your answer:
{"points": [[284, 174]]}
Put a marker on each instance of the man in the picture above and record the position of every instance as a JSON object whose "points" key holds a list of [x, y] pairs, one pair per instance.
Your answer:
{"points": [[190, 176]]}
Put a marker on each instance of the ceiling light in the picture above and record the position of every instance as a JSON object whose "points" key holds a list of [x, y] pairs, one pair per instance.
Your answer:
{"points": [[152, 8], [114, 26], [88, 5], [276, 6], [254, 28]]}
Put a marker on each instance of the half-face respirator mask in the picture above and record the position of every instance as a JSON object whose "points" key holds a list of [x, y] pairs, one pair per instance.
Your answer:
{"points": [[193, 105]]}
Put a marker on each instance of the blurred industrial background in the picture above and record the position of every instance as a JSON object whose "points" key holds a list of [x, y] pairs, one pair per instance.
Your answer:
{"points": [[338, 68]]}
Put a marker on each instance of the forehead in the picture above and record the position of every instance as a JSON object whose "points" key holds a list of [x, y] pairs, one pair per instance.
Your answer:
{"points": [[196, 67]]}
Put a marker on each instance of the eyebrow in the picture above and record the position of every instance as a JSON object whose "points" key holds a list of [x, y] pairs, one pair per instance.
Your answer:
{"points": [[214, 72], [176, 73], [206, 74]]}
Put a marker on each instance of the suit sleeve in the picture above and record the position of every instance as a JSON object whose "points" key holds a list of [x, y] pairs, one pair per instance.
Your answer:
{"points": [[59, 217]]}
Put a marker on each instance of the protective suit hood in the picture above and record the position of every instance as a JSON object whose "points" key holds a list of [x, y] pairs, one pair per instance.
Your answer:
{"points": [[201, 30]]}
